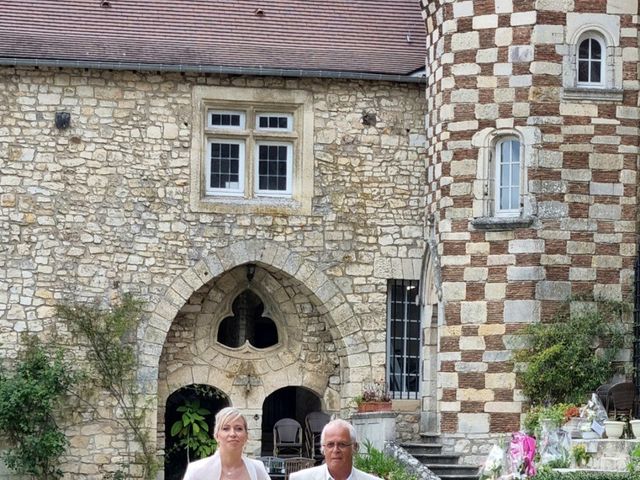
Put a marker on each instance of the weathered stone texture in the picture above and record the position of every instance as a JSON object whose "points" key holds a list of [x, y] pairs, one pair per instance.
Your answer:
{"points": [[103, 207]]}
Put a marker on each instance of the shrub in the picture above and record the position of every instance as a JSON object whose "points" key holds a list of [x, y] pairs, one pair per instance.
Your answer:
{"points": [[380, 464], [572, 355], [29, 399]]}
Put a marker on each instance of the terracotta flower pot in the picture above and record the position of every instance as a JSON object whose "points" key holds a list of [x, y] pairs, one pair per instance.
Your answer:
{"points": [[374, 407]]}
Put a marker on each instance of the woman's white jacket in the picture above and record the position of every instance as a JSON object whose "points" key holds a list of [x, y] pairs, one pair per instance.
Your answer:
{"points": [[210, 468]]}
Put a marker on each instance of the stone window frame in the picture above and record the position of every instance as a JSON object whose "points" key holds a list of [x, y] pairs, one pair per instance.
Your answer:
{"points": [[253, 101], [485, 216], [271, 311], [606, 30]]}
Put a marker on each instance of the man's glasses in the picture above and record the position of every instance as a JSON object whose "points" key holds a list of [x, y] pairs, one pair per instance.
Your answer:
{"points": [[338, 445]]}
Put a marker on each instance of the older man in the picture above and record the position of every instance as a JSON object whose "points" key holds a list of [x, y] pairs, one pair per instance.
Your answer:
{"points": [[339, 445]]}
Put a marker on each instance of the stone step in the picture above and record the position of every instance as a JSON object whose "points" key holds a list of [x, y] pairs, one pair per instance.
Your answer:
{"points": [[422, 448], [453, 470], [430, 458]]}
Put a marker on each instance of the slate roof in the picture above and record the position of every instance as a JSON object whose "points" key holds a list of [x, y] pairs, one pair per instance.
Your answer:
{"points": [[385, 37]]}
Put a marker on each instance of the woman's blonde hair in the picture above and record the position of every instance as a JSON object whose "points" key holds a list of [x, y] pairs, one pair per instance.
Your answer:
{"points": [[226, 415]]}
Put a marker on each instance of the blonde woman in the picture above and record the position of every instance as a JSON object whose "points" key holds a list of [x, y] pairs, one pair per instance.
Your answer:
{"points": [[228, 463]]}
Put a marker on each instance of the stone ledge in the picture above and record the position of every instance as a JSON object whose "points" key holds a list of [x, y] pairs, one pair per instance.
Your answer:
{"points": [[592, 94], [501, 223]]}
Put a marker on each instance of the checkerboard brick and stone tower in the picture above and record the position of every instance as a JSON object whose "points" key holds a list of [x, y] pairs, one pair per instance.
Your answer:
{"points": [[532, 128]]}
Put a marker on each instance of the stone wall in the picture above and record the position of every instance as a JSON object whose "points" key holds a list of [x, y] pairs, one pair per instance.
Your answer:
{"points": [[506, 66], [103, 208]]}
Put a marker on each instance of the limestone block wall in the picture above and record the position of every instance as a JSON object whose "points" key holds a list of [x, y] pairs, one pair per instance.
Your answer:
{"points": [[103, 207], [507, 67]]}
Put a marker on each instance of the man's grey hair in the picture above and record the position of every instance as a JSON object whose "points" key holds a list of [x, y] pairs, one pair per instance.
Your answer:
{"points": [[344, 424]]}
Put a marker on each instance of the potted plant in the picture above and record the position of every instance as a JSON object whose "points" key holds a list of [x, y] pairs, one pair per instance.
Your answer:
{"points": [[374, 398], [614, 428], [635, 428]]}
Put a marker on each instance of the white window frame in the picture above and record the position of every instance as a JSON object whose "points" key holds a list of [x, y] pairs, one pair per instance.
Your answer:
{"points": [[267, 192], [296, 106], [288, 116], [497, 180], [241, 154], [486, 140], [601, 62]]}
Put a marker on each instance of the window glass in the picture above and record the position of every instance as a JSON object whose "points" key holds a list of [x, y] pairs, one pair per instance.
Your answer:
{"points": [[403, 333], [225, 166], [219, 118], [508, 176], [590, 63], [274, 121], [274, 167]]}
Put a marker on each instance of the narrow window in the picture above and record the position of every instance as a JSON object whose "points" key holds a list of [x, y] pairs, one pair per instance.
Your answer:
{"points": [[225, 166], [273, 173], [590, 62], [403, 339], [507, 178]]}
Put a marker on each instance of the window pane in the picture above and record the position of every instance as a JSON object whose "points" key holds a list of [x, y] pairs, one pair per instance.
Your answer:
{"points": [[504, 174], [224, 166], [504, 198], [583, 71], [596, 50], [583, 51], [225, 119], [278, 122], [515, 197], [273, 167], [515, 174], [595, 72]]}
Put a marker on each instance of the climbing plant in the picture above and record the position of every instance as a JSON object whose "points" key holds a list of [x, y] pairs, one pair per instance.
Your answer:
{"points": [[112, 361], [30, 396], [569, 357]]}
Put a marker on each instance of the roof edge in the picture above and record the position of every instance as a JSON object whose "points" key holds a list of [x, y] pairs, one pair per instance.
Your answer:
{"points": [[217, 69]]}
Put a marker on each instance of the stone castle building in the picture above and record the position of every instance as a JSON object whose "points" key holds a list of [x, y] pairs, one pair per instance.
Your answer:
{"points": [[305, 215]]}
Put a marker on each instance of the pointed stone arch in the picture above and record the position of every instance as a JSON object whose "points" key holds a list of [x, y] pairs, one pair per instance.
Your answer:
{"points": [[344, 325]]}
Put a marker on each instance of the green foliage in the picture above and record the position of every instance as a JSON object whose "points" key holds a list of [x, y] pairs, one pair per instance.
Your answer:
{"points": [[580, 454], [535, 415], [633, 467], [380, 464], [192, 430], [113, 362], [573, 354], [29, 398]]}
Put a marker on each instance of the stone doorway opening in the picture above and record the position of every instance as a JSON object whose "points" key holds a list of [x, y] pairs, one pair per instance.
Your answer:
{"points": [[206, 396], [287, 402]]}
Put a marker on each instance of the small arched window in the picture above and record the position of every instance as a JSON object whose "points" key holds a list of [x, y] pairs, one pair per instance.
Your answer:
{"points": [[591, 60], [508, 174], [248, 324]]}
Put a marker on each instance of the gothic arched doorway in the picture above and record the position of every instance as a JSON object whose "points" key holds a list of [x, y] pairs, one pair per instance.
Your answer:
{"points": [[287, 402], [204, 396]]}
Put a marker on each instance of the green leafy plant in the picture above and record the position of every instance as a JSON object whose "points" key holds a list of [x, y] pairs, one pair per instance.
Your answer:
{"points": [[192, 430], [380, 464], [113, 363], [580, 454], [30, 396], [633, 467], [557, 414], [572, 355]]}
